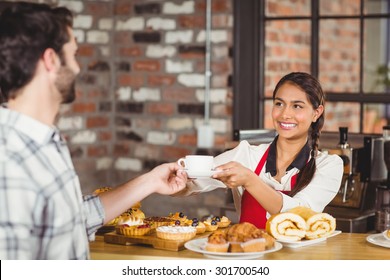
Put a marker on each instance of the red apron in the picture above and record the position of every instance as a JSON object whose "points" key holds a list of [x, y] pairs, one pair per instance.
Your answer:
{"points": [[251, 210]]}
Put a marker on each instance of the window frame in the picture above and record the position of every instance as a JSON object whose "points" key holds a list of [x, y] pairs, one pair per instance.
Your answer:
{"points": [[249, 56]]}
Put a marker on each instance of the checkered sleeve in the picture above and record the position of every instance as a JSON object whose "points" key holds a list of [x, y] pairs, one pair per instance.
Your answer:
{"points": [[95, 214]]}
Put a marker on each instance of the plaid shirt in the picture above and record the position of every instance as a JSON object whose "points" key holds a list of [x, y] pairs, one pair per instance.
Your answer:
{"points": [[43, 214]]}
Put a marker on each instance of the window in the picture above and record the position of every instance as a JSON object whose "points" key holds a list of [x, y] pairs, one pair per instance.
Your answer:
{"points": [[344, 43]]}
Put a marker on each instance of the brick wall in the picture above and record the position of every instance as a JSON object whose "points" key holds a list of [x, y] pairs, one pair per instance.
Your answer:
{"points": [[140, 93]]}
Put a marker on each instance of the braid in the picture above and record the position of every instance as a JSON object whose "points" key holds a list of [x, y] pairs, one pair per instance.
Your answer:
{"points": [[307, 172]]}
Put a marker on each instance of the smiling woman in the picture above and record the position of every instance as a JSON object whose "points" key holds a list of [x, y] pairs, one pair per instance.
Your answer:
{"points": [[290, 171]]}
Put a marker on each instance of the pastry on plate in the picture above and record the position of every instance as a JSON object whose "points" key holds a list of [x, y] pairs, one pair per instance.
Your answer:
{"points": [[216, 242], [245, 237]]}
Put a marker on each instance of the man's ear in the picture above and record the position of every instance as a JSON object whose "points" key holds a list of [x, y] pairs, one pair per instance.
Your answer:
{"points": [[50, 60]]}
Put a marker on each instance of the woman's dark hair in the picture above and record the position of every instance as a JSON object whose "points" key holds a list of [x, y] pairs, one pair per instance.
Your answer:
{"points": [[26, 31], [316, 96]]}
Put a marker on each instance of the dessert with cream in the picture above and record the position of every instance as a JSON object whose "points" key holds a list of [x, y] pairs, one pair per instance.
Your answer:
{"points": [[176, 232]]}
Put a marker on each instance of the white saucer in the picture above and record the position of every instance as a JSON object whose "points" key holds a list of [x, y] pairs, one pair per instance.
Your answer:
{"points": [[200, 173], [378, 239]]}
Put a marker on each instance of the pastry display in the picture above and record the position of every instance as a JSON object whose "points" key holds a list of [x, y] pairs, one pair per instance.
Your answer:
{"points": [[300, 222], [211, 225], [176, 232], [199, 226], [158, 221], [245, 237], [133, 230], [178, 216], [216, 242], [222, 222]]}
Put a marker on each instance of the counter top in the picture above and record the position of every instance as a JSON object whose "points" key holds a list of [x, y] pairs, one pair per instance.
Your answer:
{"points": [[345, 246]]}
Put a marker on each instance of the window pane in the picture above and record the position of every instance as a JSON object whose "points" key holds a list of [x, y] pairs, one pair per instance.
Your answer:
{"points": [[339, 54], [376, 56], [375, 117], [287, 49], [287, 8], [342, 114], [339, 7], [376, 7]]}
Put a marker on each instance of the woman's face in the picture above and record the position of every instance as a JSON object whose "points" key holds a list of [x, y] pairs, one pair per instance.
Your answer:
{"points": [[292, 112]]}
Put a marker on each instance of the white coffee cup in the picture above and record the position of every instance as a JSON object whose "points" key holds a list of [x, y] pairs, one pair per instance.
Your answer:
{"points": [[197, 162]]}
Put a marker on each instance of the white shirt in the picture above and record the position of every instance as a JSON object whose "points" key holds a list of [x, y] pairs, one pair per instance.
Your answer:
{"points": [[316, 195]]}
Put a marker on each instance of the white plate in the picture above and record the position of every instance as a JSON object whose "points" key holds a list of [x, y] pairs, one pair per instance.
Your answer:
{"points": [[200, 173], [197, 245], [378, 239], [302, 243]]}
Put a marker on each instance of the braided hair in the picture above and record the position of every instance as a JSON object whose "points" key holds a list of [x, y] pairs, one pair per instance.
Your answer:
{"points": [[311, 86]]}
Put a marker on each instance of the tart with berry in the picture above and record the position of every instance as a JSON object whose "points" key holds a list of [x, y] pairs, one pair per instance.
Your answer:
{"points": [[211, 225]]}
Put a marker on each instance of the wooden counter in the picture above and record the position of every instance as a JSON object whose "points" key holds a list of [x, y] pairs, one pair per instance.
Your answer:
{"points": [[345, 246]]}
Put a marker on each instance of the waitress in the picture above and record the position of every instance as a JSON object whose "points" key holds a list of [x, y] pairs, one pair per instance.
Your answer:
{"points": [[291, 171]]}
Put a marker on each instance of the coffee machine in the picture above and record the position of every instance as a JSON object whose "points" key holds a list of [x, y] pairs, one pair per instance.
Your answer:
{"points": [[382, 204], [355, 203]]}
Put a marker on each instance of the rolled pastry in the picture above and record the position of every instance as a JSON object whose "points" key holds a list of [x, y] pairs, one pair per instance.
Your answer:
{"points": [[286, 226], [317, 224]]}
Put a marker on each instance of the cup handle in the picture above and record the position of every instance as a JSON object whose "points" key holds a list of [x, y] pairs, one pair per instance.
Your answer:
{"points": [[182, 162]]}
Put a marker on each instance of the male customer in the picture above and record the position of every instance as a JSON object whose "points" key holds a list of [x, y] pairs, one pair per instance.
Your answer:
{"points": [[43, 214]]}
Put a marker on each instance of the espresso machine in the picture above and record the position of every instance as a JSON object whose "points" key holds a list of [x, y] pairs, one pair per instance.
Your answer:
{"points": [[355, 204], [382, 204]]}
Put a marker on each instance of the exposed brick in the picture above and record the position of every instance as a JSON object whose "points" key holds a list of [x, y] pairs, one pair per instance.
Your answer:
{"points": [[187, 139], [152, 163], [192, 109], [97, 151], [87, 79], [105, 106], [129, 136], [123, 66], [130, 80], [123, 38], [104, 135], [99, 66], [121, 149], [130, 107], [147, 65], [76, 152], [147, 37], [97, 122], [97, 8], [149, 8], [180, 94], [172, 153], [191, 21], [122, 7], [84, 107], [161, 80], [130, 51], [149, 123], [122, 121], [85, 50], [161, 108], [217, 6], [186, 51]]}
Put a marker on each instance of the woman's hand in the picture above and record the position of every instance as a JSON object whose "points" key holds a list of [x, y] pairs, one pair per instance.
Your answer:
{"points": [[234, 174]]}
